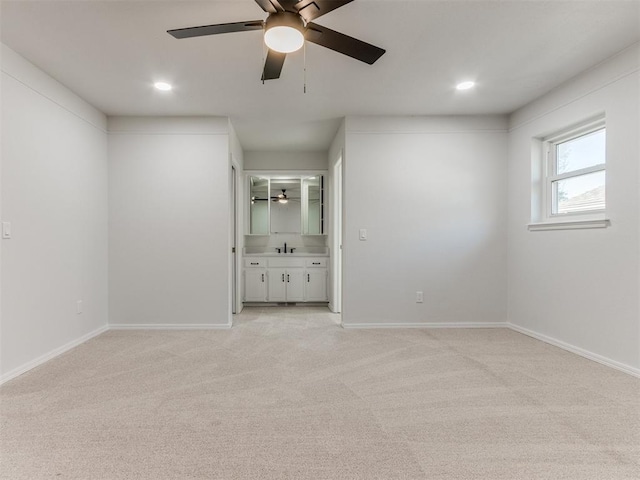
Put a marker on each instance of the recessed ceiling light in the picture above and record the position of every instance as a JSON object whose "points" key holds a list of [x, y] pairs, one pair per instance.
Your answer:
{"points": [[162, 86], [465, 85]]}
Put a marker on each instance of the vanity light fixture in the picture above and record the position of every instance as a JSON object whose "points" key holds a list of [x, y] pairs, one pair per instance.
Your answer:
{"points": [[284, 32], [465, 85], [163, 86]]}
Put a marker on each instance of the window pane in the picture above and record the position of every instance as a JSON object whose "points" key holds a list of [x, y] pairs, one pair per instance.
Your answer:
{"points": [[579, 194], [581, 152]]}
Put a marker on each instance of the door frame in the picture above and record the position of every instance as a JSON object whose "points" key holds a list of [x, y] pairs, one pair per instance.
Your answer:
{"points": [[235, 234], [337, 232]]}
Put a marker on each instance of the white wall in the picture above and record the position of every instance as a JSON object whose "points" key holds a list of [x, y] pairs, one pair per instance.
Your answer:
{"points": [[54, 193], [336, 152], [237, 156], [581, 287], [268, 160], [169, 241], [431, 192]]}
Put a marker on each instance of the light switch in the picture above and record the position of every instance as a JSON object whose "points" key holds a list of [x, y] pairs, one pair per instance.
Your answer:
{"points": [[6, 229], [363, 234]]}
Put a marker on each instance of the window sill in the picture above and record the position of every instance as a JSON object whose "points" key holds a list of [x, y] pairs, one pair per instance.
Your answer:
{"points": [[569, 225]]}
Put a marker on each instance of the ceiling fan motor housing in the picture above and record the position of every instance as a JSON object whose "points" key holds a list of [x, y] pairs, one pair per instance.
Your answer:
{"points": [[285, 19]]}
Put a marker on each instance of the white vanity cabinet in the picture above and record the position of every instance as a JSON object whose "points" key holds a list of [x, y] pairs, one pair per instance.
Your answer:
{"points": [[285, 285], [255, 280], [316, 280], [283, 278]]}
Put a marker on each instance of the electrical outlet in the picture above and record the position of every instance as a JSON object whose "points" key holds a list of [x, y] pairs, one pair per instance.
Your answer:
{"points": [[419, 297], [79, 307]]}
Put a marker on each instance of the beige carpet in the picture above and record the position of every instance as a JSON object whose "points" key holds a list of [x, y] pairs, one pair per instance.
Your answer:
{"points": [[288, 394]]}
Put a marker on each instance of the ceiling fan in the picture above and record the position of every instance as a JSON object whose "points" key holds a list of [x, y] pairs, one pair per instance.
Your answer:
{"points": [[287, 27], [281, 198]]}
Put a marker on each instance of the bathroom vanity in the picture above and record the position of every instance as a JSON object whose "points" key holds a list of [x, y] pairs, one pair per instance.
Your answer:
{"points": [[285, 259], [292, 278]]}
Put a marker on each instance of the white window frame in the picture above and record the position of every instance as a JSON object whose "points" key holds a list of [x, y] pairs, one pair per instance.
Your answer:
{"points": [[584, 219]]}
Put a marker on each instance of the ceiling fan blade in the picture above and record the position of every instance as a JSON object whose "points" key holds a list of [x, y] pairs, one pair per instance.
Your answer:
{"points": [[269, 6], [312, 9], [216, 29], [288, 5], [342, 43], [273, 65]]}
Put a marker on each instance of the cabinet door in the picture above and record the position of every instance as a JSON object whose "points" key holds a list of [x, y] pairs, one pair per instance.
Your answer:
{"points": [[255, 285], [277, 285], [295, 285], [316, 285]]}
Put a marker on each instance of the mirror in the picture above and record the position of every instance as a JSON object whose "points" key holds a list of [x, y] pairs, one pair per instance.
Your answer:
{"points": [[313, 213], [290, 203], [259, 206], [285, 205]]}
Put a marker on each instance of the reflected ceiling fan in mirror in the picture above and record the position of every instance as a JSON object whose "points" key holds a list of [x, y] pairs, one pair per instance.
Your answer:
{"points": [[281, 198], [287, 27]]}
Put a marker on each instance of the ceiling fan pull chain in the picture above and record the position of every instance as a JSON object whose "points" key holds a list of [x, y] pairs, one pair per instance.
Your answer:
{"points": [[304, 54]]}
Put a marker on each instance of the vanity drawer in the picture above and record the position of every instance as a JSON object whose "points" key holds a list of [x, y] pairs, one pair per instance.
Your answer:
{"points": [[316, 262], [255, 262]]}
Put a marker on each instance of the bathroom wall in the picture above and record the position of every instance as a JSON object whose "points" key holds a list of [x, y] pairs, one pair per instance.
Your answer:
{"points": [[285, 161]]}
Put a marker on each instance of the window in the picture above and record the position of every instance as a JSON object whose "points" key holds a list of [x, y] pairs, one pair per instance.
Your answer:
{"points": [[574, 184]]}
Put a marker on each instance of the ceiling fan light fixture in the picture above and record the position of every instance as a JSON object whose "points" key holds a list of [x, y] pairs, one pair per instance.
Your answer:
{"points": [[283, 200], [283, 32]]}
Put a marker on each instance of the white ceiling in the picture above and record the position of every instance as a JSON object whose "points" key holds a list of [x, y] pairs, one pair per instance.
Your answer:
{"points": [[111, 52]]}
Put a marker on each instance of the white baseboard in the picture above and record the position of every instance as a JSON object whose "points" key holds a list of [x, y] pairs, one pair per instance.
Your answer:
{"points": [[577, 350], [52, 354], [169, 326], [426, 325]]}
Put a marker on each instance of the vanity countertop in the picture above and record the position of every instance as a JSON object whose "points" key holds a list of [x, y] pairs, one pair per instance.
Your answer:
{"points": [[285, 255]]}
